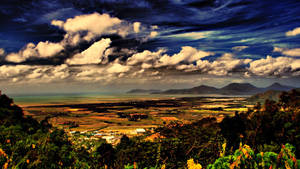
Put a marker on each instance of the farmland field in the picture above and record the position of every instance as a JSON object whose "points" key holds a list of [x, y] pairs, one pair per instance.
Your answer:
{"points": [[139, 113]]}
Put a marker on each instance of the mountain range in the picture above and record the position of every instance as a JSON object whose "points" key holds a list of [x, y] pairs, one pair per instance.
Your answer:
{"points": [[230, 89]]}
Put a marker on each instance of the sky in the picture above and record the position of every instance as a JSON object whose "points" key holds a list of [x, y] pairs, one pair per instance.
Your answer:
{"points": [[116, 45]]}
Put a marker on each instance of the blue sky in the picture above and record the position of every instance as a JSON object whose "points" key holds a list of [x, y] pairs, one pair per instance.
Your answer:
{"points": [[109, 45]]}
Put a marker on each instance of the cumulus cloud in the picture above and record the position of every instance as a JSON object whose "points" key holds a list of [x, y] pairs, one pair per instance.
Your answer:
{"points": [[36, 74], [81, 28], [48, 49], [187, 54], [117, 71], [90, 26], [145, 57], [95, 23], [293, 32], [189, 59], [279, 66], [222, 66], [41, 50], [117, 68], [227, 63], [7, 71], [93, 55], [288, 52]]}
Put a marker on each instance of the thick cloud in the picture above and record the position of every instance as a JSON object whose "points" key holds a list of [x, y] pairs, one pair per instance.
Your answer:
{"points": [[36, 74], [293, 32], [41, 50], [222, 66], [92, 24], [83, 28], [93, 55], [288, 52], [117, 68], [187, 54], [145, 57], [281, 66]]}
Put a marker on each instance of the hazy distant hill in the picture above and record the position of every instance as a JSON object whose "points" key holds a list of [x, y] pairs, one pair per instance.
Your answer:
{"points": [[240, 88], [278, 86], [196, 90], [230, 89], [143, 91]]}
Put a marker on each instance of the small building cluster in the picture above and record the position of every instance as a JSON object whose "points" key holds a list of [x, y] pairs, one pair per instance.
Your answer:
{"points": [[111, 136]]}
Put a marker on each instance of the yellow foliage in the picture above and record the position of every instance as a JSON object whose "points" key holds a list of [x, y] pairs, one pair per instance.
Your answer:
{"points": [[2, 153], [287, 166], [223, 151], [5, 166], [192, 165]]}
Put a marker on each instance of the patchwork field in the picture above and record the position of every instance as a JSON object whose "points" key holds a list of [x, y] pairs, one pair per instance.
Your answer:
{"points": [[129, 115]]}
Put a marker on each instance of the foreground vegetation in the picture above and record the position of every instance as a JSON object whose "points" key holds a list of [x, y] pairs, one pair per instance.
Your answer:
{"points": [[271, 130]]}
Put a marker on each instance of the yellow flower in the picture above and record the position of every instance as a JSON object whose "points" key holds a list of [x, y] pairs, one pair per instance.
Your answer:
{"points": [[163, 166], [33, 146], [192, 165]]}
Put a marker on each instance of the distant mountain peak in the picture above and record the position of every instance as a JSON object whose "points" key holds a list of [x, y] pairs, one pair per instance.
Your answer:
{"points": [[280, 87], [230, 89]]}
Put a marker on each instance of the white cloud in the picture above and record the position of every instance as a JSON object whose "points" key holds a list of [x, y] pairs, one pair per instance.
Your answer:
{"points": [[136, 27], [93, 55], [222, 66], [227, 63], [94, 23], [288, 52], [277, 49], [34, 74], [78, 29], [145, 57], [293, 32], [12, 71], [187, 54], [117, 68], [279, 66], [41, 50], [15, 57], [153, 34], [48, 49], [89, 26]]}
